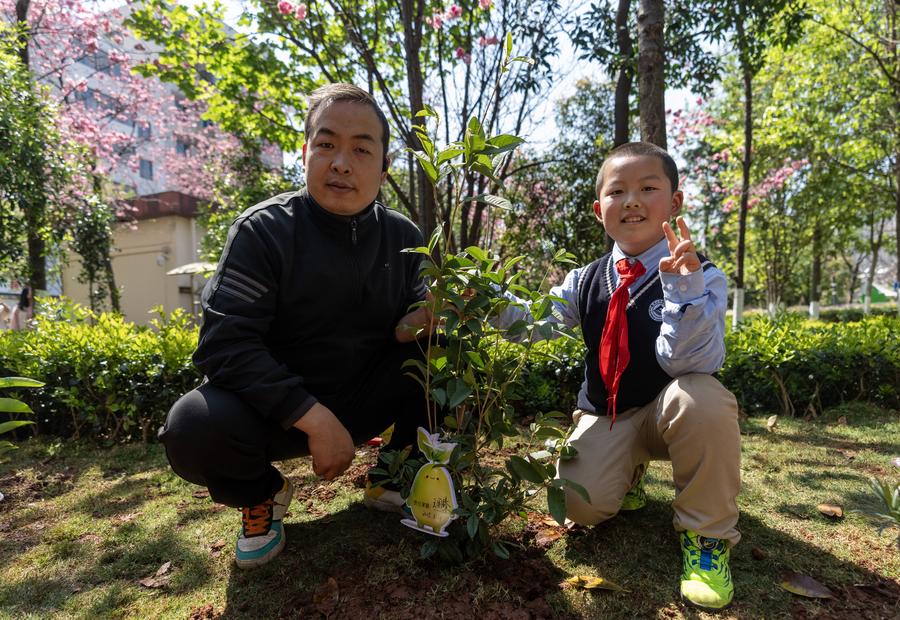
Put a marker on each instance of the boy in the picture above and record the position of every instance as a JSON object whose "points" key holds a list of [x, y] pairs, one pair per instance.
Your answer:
{"points": [[301, 342], [653, 317]]}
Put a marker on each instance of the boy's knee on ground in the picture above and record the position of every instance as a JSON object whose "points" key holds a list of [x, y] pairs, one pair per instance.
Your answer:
{"points": [[584, 513], [605, 500]]}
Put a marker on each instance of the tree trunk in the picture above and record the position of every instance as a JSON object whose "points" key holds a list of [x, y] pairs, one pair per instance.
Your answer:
{"points": [[651, 71], [37, 268], [622, 110], [413, 12], [815, 278], [738, 312]]}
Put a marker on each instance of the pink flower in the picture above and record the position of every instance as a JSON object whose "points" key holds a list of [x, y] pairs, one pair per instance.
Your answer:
{"points": [[285, 7], [485, 41], [485, 4], [436, 21], [300, 12], [460, 52], [454, 12]]}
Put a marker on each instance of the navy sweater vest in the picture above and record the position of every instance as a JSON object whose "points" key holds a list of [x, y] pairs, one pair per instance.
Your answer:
{"points": [[643, 378]]}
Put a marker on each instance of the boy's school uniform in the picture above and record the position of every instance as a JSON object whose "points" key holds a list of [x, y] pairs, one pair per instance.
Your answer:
{"points": [[670, 407]]}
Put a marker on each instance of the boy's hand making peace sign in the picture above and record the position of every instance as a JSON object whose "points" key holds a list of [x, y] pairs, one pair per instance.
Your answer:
{"points": [[683, 259]]}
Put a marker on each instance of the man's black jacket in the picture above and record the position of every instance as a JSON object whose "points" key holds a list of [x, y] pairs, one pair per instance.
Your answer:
{"points": [[302, 301]]}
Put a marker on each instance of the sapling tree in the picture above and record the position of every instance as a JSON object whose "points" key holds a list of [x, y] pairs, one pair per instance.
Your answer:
{"points": [[466, 380]]}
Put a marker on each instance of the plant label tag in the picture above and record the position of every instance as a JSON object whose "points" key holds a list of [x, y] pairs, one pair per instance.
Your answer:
{"points": [[432, 499]]}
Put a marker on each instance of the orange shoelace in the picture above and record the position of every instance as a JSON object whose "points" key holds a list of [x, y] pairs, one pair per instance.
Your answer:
{"points": [[257, 519]]}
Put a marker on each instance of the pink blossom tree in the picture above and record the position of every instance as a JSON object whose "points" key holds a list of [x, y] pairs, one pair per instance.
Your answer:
{"points": [[112, 116]]}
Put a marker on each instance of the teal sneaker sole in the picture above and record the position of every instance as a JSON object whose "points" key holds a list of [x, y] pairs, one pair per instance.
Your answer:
{"points": [[265, 553]]}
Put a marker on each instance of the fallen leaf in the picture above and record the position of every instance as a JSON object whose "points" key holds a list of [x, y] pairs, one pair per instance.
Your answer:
{"points": [[758, 554], [201, 493], [131, 516], [842, 421], [833, 511], [804, 585], [551, 522], [216, 547], [326, 596], [546, 536], [150, 582], [163, 569], [593, 583], [771, 423]]}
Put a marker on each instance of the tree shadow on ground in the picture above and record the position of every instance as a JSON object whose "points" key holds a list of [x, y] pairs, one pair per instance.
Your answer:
{"points": [[376, 570], [640, 551]]}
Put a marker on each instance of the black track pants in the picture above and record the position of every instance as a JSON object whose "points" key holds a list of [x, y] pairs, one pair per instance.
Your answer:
{"points": [[213, 438]]}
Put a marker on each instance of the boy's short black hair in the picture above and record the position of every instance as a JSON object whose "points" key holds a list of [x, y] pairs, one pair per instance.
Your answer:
{"points": [[641, 149], [324, 96]]}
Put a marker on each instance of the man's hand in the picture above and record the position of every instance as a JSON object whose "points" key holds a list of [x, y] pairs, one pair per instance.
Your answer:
{"points": [[420, 322], [683, 259], [330, 444]]}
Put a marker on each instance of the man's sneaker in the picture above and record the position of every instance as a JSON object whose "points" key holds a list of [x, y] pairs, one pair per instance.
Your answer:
{"points": [[636, 498], [384, 499], [706, 577], [262, 532]]}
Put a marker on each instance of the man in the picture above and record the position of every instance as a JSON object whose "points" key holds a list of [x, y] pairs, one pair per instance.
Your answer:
{"points": [[306, 326]]}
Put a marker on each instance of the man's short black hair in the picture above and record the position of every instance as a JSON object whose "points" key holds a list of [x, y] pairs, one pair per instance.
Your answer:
{"points": [[324, 96], [641, 149]]}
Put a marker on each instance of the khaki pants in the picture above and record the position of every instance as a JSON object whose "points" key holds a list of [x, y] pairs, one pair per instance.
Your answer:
{"points": [[693, 422]]}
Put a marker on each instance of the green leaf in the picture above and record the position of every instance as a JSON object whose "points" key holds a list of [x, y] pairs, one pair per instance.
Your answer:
{"points": [[8, 382], [507, 48], [472, 526], [474, 250], [459, 394], [449, 153], [428, 549], [500, 550], [524, 59], [427, 110], [5, 427], [502, 144], [11, 405], [475, 358], [524, 469], [425, 162], [582, 492], [556, 503], [492, 200]]}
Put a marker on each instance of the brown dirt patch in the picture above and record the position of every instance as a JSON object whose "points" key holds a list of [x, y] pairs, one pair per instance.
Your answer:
{"points": [[492, 589]]}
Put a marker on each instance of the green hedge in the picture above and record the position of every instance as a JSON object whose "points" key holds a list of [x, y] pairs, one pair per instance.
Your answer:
{"points": [[795, 366], [105, 377], [109, 379], [788, 365]]}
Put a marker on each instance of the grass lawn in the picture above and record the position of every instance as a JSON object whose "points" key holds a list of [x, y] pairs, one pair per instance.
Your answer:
{"points": [[81, 528]]}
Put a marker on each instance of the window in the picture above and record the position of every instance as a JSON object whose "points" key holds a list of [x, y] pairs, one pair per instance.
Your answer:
{"points": [[144, 129], [182, 146], [146, 169]]}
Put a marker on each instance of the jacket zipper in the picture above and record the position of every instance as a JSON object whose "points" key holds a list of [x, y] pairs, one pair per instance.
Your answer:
{"points": [[353, 224]]}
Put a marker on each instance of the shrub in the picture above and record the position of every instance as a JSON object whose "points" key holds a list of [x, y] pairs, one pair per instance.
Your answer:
{"points": [[105, 377], [794, 365]]}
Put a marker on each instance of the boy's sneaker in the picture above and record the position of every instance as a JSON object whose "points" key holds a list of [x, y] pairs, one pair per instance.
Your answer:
{"points": [[384, 499], [262, 532], [636, 498], [706, 577]]}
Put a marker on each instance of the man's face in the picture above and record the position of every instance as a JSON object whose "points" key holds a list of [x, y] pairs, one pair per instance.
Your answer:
{"points": [[343, 157], [634, 201]]}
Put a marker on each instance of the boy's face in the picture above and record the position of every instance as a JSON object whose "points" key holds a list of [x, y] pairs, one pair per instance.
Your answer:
{"points": [[343, 157], [635, 199]]}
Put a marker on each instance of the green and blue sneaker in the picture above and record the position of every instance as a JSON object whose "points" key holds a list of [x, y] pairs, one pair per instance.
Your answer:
{"points": [[636, 498], [706, 577], [262, 532]]}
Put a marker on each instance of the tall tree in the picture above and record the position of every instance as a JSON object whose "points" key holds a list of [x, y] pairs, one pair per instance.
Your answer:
{"points": [[651, 71], [412, 54]]}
